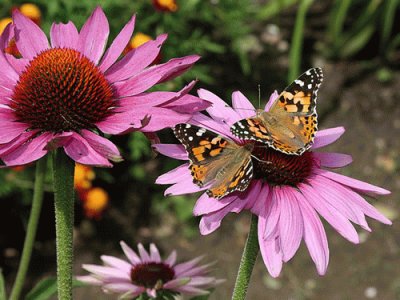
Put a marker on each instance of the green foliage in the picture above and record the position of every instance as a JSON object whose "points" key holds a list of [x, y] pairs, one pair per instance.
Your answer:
{"points": [[2, 286], [47, 288]]}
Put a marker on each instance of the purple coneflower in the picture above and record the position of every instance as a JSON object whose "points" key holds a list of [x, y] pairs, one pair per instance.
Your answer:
{"points": [[69, 93], [148, 273], [287, 192]]}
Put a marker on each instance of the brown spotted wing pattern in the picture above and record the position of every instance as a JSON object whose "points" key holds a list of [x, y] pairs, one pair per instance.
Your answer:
{"points": [[216, 160], [291, 123]]}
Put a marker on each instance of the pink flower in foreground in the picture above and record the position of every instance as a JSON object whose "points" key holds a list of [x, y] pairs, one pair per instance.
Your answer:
{"points": [[69, 92], [287, 192], [148, 273]]}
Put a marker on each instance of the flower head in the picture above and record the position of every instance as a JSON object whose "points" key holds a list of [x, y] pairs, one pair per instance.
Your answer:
{"points": [[287, 192], [149, 273], [165, 5], [69, 92]]}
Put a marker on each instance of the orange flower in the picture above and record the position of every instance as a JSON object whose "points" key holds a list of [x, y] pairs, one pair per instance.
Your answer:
{"points": [[137, 40], [95, 202], [31, 11], [165, 5], [3, 23], [84, 175]]}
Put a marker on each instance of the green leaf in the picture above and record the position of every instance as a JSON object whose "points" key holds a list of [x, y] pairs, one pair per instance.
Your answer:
{"points": [[3, 294], [46, 288], [357, 42]]}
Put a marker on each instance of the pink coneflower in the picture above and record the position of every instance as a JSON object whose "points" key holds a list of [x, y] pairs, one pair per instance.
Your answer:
{"points": [[148, 273], [69, 93], [287, 192]]}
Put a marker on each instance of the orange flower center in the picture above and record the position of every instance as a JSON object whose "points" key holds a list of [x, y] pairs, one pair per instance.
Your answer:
{"points": [[62, 90]]}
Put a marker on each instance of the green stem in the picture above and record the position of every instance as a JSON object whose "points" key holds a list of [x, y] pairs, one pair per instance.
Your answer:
{"points": [[63, 176], [249, 256], [297, 40], [31, 229]]}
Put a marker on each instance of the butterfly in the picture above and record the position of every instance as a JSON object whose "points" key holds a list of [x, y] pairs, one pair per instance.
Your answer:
{"points": [[291, 123], [216, 160]]}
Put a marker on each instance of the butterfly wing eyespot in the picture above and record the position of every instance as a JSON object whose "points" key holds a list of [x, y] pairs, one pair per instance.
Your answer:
{"points": [[215, 160], [292, 121]]}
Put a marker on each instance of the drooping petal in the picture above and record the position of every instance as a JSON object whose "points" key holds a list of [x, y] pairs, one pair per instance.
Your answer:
{"points": [[107, 272], [117, 263], [117, 46], [314, 235], [30, 39], [120, 287], [93, 35], [185, 186], [178, 174], [270, 250], [290, 224], [327, 136], [201, 120], [271, 100], [102, 145], [205, 204], [64, 36], [353, 183], [183, 267], [329, 213], [79, 149]]}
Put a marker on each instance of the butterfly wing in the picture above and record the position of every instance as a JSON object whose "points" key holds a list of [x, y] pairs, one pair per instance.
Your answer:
{"points": [[291, 123], [215, 159]]}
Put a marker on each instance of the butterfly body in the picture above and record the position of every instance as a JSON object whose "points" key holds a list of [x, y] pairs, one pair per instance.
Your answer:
{"points": [[291, 123], [216, 161]]}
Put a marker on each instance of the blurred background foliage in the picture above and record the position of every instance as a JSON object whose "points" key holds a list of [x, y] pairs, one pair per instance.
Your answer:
{"points": [[243, 44]]}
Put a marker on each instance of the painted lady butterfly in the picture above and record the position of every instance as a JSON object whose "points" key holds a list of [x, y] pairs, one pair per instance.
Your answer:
{"points": [[291, 123], [216, 160]]}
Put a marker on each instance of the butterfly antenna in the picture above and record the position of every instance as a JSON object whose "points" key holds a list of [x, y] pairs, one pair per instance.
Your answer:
{"points": [[259, 96], [260, 160]]}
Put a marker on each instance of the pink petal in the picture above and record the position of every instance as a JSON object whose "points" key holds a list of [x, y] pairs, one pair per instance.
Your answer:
{"points": [[329, 191], [18, 64], [155, 99], [184, 267], [64, 36], [102, 145], [8, 76], [290, 224], [271, 100], [356, 200], [118, 45], [120, 123], [28, 152], [256, 189], [171, 259], [188, 104], [314, 235], [6, 36], [89, 279], [327, 136], [272, 213], [30, 39], [79, 149], [185, 186], [117, 263], [136, 60], [189, 290], [107, 272], [270, 250], [160, 118], [353, 183], [329, 213], [219, 110], [242, 105], [154, 254], [93, 36], [178, 174], [201, 120], [171, 150], [145, 257], [333, 160], [205, 204], [129, 253], [156, 74], [10, 129]]}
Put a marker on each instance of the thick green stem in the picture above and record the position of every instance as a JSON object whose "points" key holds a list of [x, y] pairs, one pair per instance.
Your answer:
{"points": [[249, 257], [31, 229], [63, 176]]}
